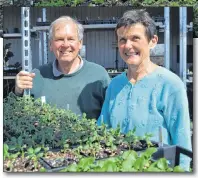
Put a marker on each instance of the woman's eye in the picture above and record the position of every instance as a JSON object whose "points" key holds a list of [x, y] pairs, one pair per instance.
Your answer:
{"points": [[136, 38]]}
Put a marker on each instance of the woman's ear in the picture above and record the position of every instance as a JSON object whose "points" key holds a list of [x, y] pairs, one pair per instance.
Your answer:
{"points": [[153, 41]]}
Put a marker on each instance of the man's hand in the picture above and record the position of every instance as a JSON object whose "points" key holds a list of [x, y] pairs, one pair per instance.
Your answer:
{"points": [[23, 81]]}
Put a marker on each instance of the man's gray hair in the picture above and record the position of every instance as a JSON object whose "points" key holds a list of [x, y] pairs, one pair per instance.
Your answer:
{"points": [[80, 28]]}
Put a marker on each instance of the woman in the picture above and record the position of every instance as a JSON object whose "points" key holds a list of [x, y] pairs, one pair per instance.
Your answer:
{"points": [[147, 96]]}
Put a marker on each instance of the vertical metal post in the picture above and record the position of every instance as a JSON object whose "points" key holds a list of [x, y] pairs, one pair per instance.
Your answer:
{"points": [[180, 42], [40, 49], [183, 44], [26, 51], [44, 37], [167, 37]]}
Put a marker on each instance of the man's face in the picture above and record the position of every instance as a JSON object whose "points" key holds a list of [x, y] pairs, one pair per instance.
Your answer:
{"points": [[133, 44], [65, 43]]}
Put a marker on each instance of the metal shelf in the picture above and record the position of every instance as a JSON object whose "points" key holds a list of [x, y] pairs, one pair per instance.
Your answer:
{"points": [[9, 77], [12, 35], [46, 28], [189, 81], [90, 26], [99, 26]]}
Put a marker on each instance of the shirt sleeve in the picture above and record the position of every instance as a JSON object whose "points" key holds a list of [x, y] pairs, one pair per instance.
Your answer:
{"points": [[105, 83], [178, 121], [104, 115]]}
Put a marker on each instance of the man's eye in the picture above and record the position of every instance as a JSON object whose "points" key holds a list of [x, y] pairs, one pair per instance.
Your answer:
{"points": [[59, 39], [122, 40]]}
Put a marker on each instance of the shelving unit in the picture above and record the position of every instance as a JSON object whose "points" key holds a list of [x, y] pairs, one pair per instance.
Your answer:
{"points": [[162, 24], [11, 35], [26, 51], [9, 77], [90, 26]]}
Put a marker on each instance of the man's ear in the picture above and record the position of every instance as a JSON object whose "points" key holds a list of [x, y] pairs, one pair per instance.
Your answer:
{"points": [[153, 41], [81, 43], [50, 46]]}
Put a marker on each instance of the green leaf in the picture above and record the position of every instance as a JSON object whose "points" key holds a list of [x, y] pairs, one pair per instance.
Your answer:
{"points": [[37, 150], [113, 159], [5, 148], [169, 169], [99, 169], [126, 165], [12, 147], [20, 140], [110, 166], [13, 139], [14, 156], [40, 155], [153, 169], [132, 154], [84, 162], [100, 163], [162, 164], [178, 169], [148, 153], [5, 151], [139, 163], [71, 168], [30, 151], [42, 169]]}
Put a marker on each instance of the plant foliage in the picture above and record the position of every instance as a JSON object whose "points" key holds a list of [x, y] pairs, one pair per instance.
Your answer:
{"points": [[32, 128]]}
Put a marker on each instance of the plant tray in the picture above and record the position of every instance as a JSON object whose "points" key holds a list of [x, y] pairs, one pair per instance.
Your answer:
{"points": [[172, 154], [57, 161]]}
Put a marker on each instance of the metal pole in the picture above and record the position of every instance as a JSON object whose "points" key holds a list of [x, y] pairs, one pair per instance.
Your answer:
{"points": [[184, 44], [167, 37], [44, 37], [183, 48], [26, 52], [40, 49], [180, 43]]}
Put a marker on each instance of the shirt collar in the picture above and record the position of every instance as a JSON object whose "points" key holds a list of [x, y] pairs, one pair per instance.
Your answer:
{"points": [[57, 73]]}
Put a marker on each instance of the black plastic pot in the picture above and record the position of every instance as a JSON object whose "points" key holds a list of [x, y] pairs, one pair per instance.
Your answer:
{"points": [[141, 145], [50, 168], [172, 154]]}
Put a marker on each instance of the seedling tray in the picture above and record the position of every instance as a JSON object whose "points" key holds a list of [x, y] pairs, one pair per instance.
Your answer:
{"points": [[50, 168], [58, 163], [172, 154], [56, 160]]}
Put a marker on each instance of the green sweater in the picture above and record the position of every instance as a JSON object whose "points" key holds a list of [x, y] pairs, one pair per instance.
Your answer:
{"points": [[83, 90]]}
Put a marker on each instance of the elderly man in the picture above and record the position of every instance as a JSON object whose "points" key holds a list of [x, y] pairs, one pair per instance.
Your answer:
{"points": [[68, 80]]}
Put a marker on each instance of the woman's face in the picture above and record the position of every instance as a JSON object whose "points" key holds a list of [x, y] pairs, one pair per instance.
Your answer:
{"points": [[133, 44]]}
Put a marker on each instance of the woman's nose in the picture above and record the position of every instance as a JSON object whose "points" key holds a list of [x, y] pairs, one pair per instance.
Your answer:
{"points": [[128, 44]]}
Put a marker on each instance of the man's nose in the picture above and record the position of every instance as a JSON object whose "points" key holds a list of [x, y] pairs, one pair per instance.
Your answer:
{"points": [[65, 42]]}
